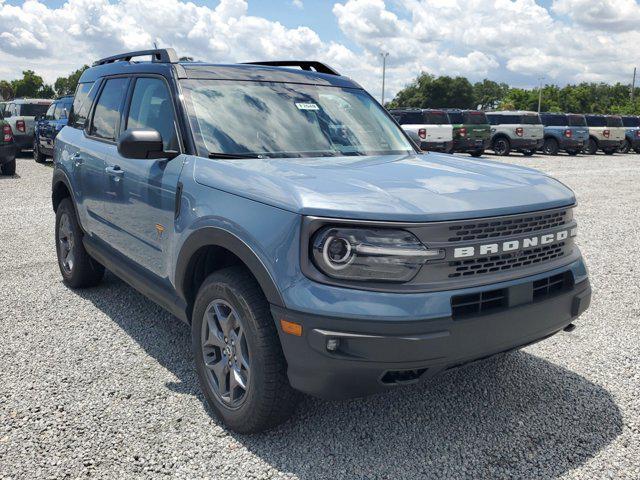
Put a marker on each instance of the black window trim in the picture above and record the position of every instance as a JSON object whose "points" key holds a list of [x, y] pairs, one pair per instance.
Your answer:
{"points": [[87, 129], [124, 116]]}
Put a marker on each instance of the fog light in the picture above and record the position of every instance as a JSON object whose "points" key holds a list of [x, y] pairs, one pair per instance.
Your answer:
{"points": [[333, 344]]}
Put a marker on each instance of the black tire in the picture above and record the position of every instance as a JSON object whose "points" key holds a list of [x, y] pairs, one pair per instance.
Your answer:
{"points": [[528, 153], [637, 150], [37, 156], [550, 146], [501, 146], [79, 271], [8, 168], [592, 147], [477, 153], [267, 398], [573, 153], [609, 152], [625, 147]]}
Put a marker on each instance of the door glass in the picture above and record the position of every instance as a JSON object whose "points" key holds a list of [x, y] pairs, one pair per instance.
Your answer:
{"points": [[151, 109], [107, 112], [50, 112]]}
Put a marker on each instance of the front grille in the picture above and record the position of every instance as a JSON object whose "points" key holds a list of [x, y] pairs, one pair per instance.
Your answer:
{"points": [[507, 227], [506, 261], [464, 306]]}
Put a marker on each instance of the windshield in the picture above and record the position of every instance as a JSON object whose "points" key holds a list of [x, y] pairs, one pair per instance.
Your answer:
{"points": [[290, 120], [576, 121], [631, 121], [614, 122]]}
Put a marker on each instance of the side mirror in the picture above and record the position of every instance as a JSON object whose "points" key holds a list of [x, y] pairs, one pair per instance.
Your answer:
{"points": [[143, 144]]}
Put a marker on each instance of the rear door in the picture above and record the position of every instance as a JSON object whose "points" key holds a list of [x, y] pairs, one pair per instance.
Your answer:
{"points": [[141, 194]]}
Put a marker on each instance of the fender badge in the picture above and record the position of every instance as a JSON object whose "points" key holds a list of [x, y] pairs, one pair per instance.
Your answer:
{"points": [[159, 230]]}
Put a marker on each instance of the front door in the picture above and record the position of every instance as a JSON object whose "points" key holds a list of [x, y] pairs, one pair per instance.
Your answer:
{"points": [[141, 194]]}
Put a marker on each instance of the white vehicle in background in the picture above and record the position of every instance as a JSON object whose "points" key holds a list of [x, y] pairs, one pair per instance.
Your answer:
{"points": [[430, 129], [520, 131], [21, 115], [606, 133]]}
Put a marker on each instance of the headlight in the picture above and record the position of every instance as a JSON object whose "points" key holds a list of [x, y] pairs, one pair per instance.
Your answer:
{"points": [[364, 254]]}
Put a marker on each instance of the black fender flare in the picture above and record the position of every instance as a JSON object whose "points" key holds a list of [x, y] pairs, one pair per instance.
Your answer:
{"points": [[218, 237], [60, 177]]}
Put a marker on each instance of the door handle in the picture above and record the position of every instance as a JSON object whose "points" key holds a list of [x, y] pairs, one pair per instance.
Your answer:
{"points": [[77, 159], [115, 171]]}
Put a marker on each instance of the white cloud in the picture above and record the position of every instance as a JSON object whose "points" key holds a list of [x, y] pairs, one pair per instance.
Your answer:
{"points": [[297, 3], [609, 15]]}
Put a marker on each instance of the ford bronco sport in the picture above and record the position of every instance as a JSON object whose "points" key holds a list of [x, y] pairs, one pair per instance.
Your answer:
{"points": [[431, 130], [568, 132], [471, 131], [606, 133], [520, 131], [632, 138], [279, 210]]}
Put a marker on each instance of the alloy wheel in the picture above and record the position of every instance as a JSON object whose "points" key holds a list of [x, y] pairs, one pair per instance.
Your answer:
{"points": [[226, 353], [66, 243]]}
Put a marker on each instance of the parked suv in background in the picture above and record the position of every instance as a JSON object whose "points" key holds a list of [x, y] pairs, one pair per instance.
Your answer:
{"points": [[471, 131], [632, 134], [48, 126], [606, 133], [520, 131], [21, 113], [568, 132], [7, 149], [285, 216], [430, 129]]}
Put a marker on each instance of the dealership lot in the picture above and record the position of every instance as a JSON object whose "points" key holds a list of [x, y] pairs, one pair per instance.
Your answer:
{"points": [[100, 382]]}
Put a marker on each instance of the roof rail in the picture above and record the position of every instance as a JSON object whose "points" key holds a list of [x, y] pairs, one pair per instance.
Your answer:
{"points": [[303, 64], [160, 55]]}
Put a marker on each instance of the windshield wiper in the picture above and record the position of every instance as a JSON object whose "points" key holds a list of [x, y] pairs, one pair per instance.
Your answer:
{"points": [[236, 155]]}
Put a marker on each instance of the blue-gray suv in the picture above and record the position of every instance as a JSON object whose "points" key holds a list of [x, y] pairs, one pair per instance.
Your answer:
{"points": [[568, 132], [284, 215]]}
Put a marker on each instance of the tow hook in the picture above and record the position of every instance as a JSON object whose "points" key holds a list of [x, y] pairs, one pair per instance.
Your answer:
{"points": [[570, 328]]}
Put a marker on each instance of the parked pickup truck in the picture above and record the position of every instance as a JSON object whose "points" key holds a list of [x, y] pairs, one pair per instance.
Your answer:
{"points": [[471, 131], [606, 133], [568, 132], [430, 129], [21, 114], [48, 126], [632, 135], [519, 130], [279, 211]]}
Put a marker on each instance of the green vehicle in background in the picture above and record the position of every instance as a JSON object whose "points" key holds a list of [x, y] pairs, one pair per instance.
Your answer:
{"points": [[471, 131]]}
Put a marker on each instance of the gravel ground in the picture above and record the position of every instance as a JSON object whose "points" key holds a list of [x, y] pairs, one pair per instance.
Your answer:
{"points": [[99, 383]]}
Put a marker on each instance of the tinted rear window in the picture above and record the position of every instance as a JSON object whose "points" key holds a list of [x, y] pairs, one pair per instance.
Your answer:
{"points": [[32, 109], [434, 118], [530, 119], [631, 121], [614, 122], [576, 121], [475, 118], [554, 120], [595, 121], [456, 117]]}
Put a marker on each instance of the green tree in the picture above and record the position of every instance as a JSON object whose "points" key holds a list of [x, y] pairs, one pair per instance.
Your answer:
{"points": [[428, 91], [27, 86], [488, 94], [6, 90]]}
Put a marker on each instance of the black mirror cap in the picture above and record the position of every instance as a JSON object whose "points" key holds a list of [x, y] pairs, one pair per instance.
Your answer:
{"points": [[143, 144]]}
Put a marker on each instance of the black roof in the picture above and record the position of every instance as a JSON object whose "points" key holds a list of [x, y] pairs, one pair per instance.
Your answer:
{"points": [[164, 63]]}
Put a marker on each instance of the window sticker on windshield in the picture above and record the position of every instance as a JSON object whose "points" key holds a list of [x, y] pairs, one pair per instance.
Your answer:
{"points": [[307, 106]]}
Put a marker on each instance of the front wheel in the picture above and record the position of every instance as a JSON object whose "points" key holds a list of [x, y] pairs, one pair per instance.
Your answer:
{"points": [[8, 168], [238, 357], [37, 155], [78, 269], [502, 146], [625, 147]]}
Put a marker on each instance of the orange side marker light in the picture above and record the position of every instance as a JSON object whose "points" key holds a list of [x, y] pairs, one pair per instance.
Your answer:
{"points": [[291, 328]]}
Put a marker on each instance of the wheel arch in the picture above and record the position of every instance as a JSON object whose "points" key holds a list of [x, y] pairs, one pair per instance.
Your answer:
{"points": [[212, 248], [60, 189]]}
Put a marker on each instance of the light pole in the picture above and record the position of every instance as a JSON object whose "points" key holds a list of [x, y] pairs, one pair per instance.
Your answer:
{"points": [[384, 56], [540, 93]]}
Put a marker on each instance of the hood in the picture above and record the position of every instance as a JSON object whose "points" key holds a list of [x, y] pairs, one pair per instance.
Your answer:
{"points": [[427, 187]]}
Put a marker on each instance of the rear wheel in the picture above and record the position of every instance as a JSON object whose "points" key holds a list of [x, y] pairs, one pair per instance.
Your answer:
{"points": [[37, 156], [238, 357], [502, 146], [609, 152], [550, 146], [592, 147], [637, 150], [78, 269], [8, 168], [573, 153], [625, 147]]}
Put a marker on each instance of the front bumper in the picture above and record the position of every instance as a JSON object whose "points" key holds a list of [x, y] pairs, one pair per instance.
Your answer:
{"points": [[7, 153], [526, 144], [374, 355], [470, 145], [436, 146]]}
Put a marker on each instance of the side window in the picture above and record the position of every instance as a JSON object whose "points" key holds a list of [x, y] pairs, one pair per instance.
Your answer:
{"points": [[50, 112], [151, 108], [107, 111], [81, 105]]}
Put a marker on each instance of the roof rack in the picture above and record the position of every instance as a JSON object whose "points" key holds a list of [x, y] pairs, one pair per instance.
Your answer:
{"points": [[160, 55], [303, 64]]}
